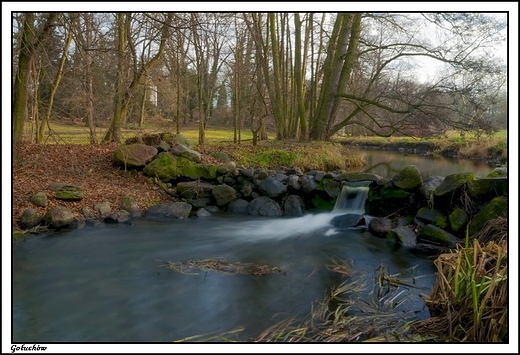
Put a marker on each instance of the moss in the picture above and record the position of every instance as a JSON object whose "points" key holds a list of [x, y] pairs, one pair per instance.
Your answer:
{"points": [[19, 235], [69, 193], [495, 208], [408, 179], [322, 204], [392, 193], [440, 221], [164, 167], [453, 182], [436, 235], [458, 218]]}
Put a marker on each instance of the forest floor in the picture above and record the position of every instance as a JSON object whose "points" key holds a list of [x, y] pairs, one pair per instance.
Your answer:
{"points": [[88, 166]]}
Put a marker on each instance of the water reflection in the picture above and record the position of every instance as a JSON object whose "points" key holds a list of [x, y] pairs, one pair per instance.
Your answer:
{"points": [[389, 163]]}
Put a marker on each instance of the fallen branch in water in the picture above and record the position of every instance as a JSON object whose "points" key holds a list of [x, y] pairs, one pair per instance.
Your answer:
{"points": [[190, 267]]}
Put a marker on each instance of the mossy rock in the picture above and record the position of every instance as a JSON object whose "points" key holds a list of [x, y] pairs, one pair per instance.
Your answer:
{"points": [[58, 217], [69, 193], [498, 172], [436, 235], [495, 208], [330, 186], [39, 199], [452, 183], [322, 203], [458, 218], [484, 189], [434, 217], [408, 179], [164, 167]]}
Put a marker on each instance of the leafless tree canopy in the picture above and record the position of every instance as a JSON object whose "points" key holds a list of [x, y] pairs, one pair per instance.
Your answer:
{"points": [[301, 75]]}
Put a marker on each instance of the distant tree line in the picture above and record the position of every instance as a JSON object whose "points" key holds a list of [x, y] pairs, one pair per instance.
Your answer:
{"points": [[306, 76]]}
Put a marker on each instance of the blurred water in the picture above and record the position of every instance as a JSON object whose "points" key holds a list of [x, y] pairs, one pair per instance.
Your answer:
{"points": [[105, 284]]}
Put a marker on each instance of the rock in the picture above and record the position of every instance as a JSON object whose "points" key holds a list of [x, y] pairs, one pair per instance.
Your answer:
{"points": [[103, 208], [39, 199], [294, 206], [248, 173], [229, 167], [348, 220], [129, 204], [486, 189], [134, 155], [163, 167], [238, 207], [493, 209], [247, 190], [69, 193], [272, 187], [201, 212], [177, 210], [293, 183], [430, 216], [498, 172], [194, 189], [211, 209], [408, 179], [87, 214], [118, 217], [429, 185], [262, 174], [264, 206], [452, 183], [330, 186], [30, 219], [404, 236], [307, 183], [280, 177], [185, 152], [200, 202], [163, 147], [222, 156], [360, 176], [224, 194], [436, 235], [380, 226], [458, 218], [58, 217]]}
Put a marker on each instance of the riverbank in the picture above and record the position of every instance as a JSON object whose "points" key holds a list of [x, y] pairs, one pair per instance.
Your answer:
{"points": [[486, 149]]}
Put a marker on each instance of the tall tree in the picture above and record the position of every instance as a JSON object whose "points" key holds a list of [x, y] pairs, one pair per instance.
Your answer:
{"points": [[32, 39], [123, 93]]}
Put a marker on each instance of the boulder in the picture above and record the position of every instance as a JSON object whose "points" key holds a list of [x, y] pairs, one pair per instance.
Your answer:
{"points": [[201, 212], [134, 155], [430, 216], [264, 206], [58, 217], [238, 206], [121, 216], [348, 220], [495, 208], [30, 219], [452, 183], [408, 179], [294, 206], [307, 183], [429, 185], [458, 218], [432, 234], [164, 167], [103, 208], [229, 167], [39, 199], [185, 152], [177, 210], [330, 186], [487, 188], [404, 236], [272, 187], [293, 183], [69, 193], [380, 226], [224, 194], [129, 204]]}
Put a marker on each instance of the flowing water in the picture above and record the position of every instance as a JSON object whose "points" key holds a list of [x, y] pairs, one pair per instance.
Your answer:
{"points": [[108, 283]]}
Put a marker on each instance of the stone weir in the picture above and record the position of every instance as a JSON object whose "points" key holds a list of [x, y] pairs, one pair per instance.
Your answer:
{"points": [[438, 210]]}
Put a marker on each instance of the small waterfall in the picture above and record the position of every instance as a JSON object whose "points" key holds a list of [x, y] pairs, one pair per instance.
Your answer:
{"points": [[347, 211], [352, 198]]}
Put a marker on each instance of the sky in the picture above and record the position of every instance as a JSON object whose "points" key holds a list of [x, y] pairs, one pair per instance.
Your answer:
{"points": [[7, 7]]}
